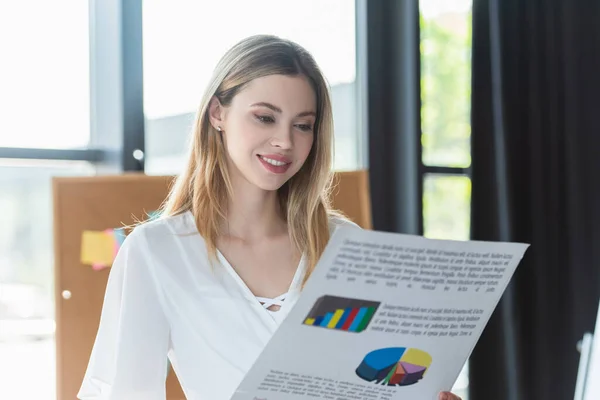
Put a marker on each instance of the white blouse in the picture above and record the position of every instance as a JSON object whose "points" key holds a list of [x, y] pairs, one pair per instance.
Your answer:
{"points": [[164, 300]]}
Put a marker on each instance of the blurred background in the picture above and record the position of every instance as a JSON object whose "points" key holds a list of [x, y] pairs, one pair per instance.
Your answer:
{"points": [[90, 87]]}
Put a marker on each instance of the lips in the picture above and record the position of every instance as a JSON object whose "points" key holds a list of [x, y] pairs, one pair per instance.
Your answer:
{"points": [[275, 163], [276, 157]]}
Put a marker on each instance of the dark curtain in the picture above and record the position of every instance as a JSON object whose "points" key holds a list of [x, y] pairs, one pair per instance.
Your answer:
{"points": [[536, 179]]}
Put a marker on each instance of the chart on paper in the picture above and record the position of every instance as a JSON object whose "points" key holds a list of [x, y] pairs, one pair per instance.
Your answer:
{"points": [[394, 366], [341, 313]]}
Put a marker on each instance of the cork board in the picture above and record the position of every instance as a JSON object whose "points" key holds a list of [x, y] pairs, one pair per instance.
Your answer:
{"points": [[91, 204], [103, 202]]}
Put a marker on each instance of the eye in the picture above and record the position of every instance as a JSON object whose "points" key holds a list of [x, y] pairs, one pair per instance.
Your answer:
{"points": [[265, 119], [304, 127]]}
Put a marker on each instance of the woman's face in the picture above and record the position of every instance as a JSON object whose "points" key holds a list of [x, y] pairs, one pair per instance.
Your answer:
{"points": [[268, 129]]}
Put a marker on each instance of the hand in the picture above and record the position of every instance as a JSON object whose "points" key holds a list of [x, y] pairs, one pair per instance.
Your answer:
{"points": [[448, 396]]}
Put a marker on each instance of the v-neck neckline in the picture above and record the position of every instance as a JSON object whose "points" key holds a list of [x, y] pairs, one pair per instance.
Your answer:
{"points": [[245, 289], [251, 296]]}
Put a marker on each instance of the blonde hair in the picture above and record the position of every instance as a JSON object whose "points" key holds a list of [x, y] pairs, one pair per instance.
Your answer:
{"points": [[204, 185]]}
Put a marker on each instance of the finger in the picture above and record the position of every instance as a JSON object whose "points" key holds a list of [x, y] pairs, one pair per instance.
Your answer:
{"points": [[448, 396]]}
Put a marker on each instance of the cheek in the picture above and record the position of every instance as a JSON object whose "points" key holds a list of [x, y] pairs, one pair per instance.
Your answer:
{"points": [[242, 139], [303, 145]]}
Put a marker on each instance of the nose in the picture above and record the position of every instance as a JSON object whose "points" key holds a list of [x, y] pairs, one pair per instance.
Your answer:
{"points": [[283, 138]]}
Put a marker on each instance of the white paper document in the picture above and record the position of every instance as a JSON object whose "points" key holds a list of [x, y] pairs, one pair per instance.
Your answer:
{"points": [[384, 316], [591, 384]]}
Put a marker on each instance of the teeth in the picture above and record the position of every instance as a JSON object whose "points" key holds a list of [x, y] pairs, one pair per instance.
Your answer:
{"points": [[273, 162]]}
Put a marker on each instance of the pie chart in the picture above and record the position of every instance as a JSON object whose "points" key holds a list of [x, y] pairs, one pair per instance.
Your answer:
{"points": [[394, 366]]}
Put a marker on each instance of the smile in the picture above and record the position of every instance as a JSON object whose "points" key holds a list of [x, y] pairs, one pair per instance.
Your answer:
{"points": [[273, 165], [273, 162]]}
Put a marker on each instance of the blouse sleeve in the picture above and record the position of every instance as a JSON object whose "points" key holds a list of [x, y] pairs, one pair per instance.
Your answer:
{"points": [[129, 356]]}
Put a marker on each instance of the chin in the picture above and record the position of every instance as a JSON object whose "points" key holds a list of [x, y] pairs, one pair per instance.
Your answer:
{"points": [[270, 186], [270, 183]]}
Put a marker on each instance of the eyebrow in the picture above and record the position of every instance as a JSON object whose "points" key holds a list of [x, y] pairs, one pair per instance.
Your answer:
{"points": [[278, 110]]}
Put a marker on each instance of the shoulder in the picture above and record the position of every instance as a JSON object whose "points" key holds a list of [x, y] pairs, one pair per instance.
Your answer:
{"points": [[162, 248], [166, 226], [154, 236], [170, 250], [337, 221]]}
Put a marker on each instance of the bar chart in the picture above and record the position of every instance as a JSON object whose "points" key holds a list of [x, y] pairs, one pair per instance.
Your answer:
{"points": [[341, 313]]}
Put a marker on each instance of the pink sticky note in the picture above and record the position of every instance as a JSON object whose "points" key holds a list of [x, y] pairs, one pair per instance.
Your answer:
{"points": [[98, 267]]}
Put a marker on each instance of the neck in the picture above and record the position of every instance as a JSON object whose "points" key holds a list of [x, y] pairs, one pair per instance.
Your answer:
{"points": [[253, 214]]}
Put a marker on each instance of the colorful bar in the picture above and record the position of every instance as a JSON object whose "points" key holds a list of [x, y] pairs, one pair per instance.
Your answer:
{"points": [[309, 321], [318, 321], [342, 320], [366, 319], [350, 319], [335, 319], [358, 320], [327, 318]]}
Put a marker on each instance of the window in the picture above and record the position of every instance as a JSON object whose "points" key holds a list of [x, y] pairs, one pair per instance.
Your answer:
{"points": [[44, 81], [446, 82], [184, 40], [44, 74], [445, 124], [446, 200], [27, 351]]}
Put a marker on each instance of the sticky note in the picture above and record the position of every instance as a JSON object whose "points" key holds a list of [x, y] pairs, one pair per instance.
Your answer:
{"points": [[119, 236], [154, 214], [99, 248], [99, 267]]}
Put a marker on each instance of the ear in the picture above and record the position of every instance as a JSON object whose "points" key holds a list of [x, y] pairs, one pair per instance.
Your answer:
{"points": [[216, 114]]}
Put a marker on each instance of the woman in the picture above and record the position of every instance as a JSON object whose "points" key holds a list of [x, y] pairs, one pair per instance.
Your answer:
{"points": [[207, 284]]}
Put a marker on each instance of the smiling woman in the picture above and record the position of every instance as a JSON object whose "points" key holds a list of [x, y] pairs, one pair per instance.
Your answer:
{"points": [[241, 231], [270, 139], [208, 283]]}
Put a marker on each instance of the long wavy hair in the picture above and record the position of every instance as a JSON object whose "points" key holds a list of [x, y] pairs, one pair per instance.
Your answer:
{"points": [[204, 185]]}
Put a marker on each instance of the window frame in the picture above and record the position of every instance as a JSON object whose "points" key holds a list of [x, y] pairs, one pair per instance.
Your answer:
{"points": [[116, 93]]}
